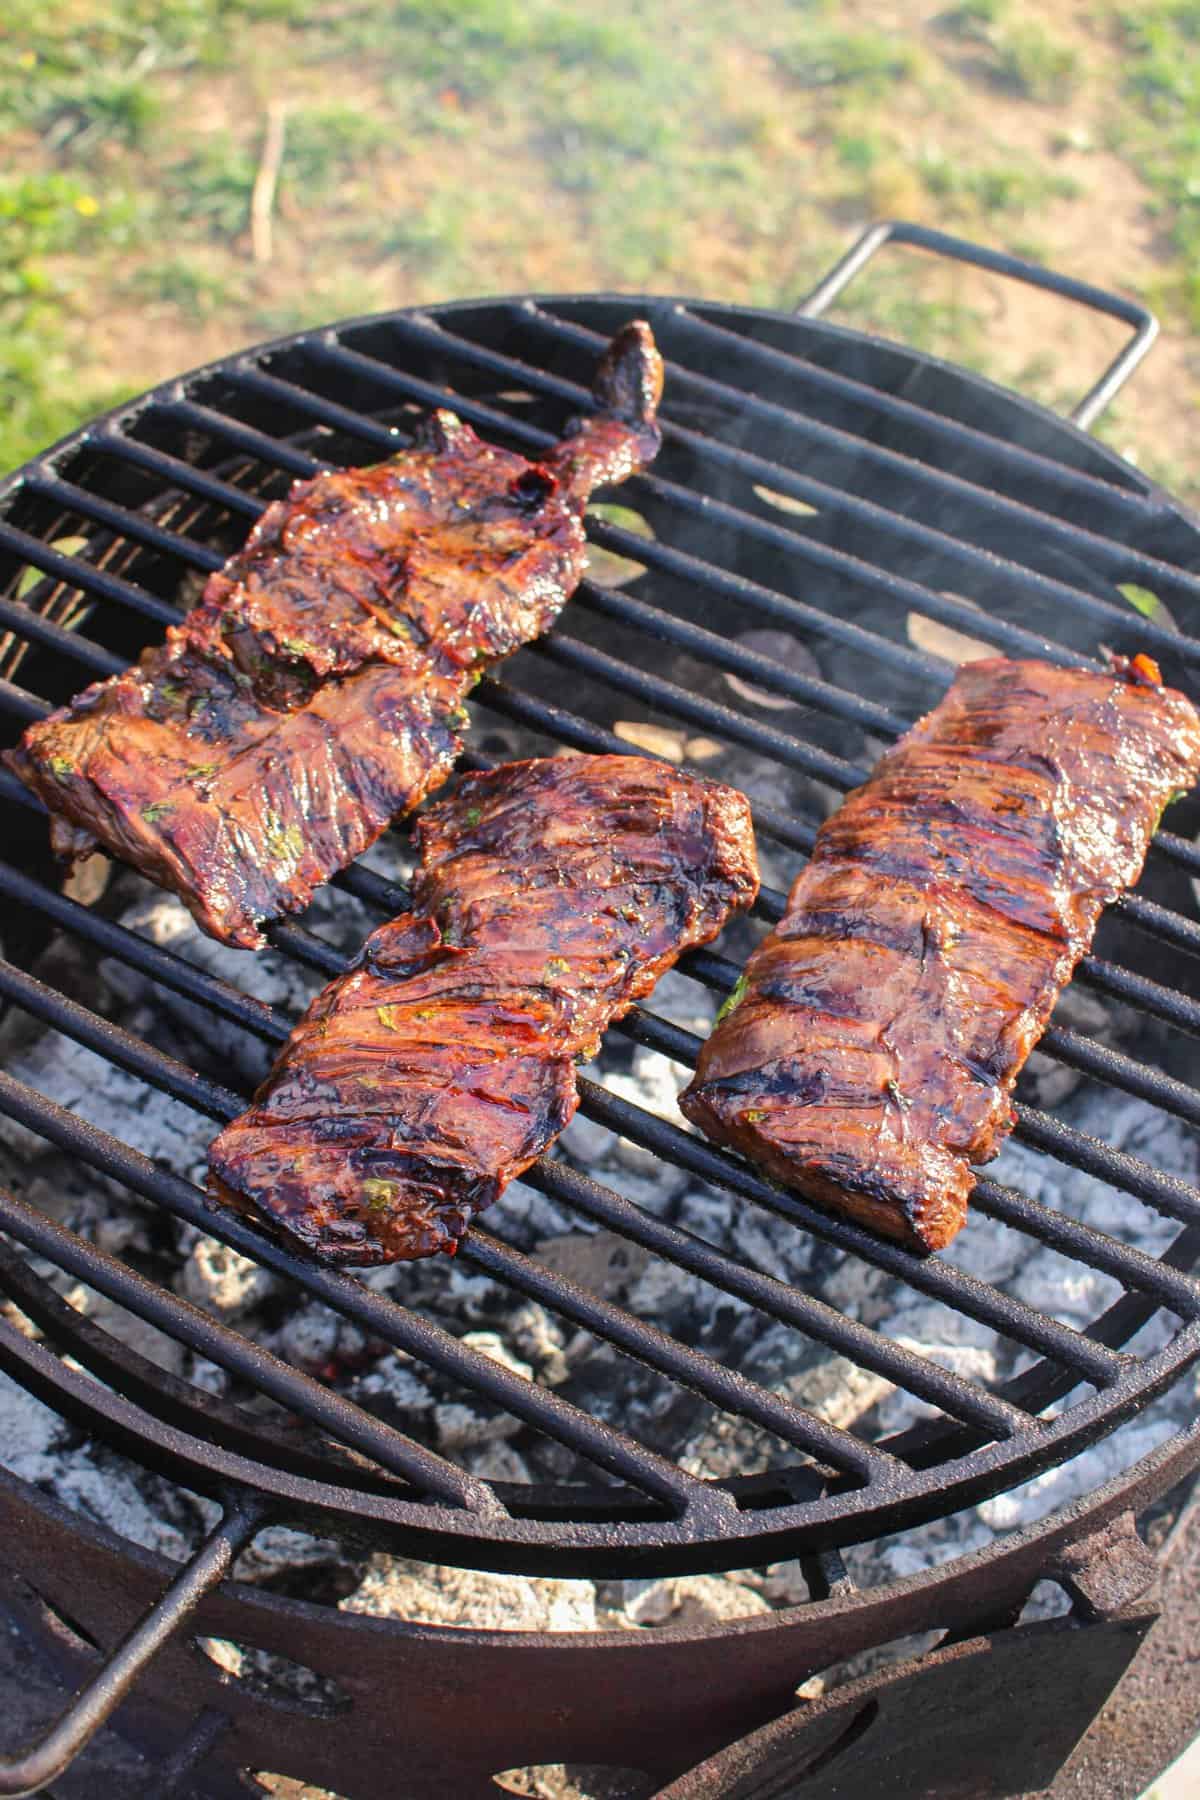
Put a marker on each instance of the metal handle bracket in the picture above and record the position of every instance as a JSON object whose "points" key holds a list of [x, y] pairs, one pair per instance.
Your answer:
{"points": [[1000, 262]]}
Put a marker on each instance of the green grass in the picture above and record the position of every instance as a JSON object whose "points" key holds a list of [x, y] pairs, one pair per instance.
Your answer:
{"points": [[1160, 132], [444, 147], [869, 61]]}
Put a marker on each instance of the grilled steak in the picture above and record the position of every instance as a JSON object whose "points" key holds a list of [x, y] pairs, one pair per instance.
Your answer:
{"points": [[869, 1056], [317, 690], [550, 896]]}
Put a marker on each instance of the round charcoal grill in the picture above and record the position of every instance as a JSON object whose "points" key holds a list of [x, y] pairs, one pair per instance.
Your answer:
{"points": [[815, 483]]}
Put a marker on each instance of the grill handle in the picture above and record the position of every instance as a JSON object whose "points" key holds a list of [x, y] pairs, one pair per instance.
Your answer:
{"points": [[922, 237]]}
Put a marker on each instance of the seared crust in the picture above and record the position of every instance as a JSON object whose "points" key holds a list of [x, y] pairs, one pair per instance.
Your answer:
{"points": [[317, 690], [871, 1057], [550, 896]]}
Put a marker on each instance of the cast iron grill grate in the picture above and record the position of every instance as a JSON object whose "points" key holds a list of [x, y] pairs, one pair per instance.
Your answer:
{"points": [[803, 468]]}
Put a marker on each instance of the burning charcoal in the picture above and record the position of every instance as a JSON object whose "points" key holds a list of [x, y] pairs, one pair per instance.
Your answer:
{"points": [[692, 1600], [1086, 1473], [430, 1594], [707, 1213], [460, 1427], [392, 1388], [318, 1339], [272, 977], [672, 1298], [222, 1281], [538, 1337], [655, 1189], [587, 1143], [1058, 1286], [779, 647], [127, 1328], [525, 1216], [490, 1344], [604, 1262], [499, 1462], [64, 1190], [1047, 1083], [209, 1376], [85, 1084], [952, 1341], [280, 1549]]}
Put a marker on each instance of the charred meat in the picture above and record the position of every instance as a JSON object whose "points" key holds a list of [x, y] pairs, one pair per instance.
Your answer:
{"points": [[869, 1056], [550, 896], [317, 690]]}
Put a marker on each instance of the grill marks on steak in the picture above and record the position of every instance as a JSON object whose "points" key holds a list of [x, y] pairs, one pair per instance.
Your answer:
{"points": [[550, 896], [317, 690], [871, 1056]]}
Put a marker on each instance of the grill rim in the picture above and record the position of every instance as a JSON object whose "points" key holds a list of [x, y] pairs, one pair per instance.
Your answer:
{"points": [[172, 396]]}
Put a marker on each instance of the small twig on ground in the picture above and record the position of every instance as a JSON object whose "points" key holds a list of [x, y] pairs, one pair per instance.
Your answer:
{"points": [[262, 200]]}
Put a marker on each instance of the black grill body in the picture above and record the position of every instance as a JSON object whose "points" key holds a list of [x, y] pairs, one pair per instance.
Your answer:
{"points": [[813, 481]]}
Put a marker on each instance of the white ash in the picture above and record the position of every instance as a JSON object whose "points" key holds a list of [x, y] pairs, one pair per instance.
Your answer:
{"points": [[137, 1333], [394, 1587], [523, 1336], [493, 1346], [313, 1337], [692, 1600], [51, 1455], [100, 1093], [281, 983], [221, 1280]]}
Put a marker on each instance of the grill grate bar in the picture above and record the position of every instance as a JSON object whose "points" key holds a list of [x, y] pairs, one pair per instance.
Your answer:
{"points": [[72, 569], [1150, 996], [161, 966], [1166, 1193], [71, 644], [990, 504], [21, 705], [1160, 921], [136, 525], [1028, 465], [689, 568], [691, 1368], [118, 1046], [725, 1388], [732, 658], [187, 1324], [1115, 550], [932, 1277], [258, 444], [541, 1408], [1116, 1069], [830, 501], [110, 441], [557, 647], [1127, 1264], [172, 1077], [960, 1398], [569, 728], [251, 375]]}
